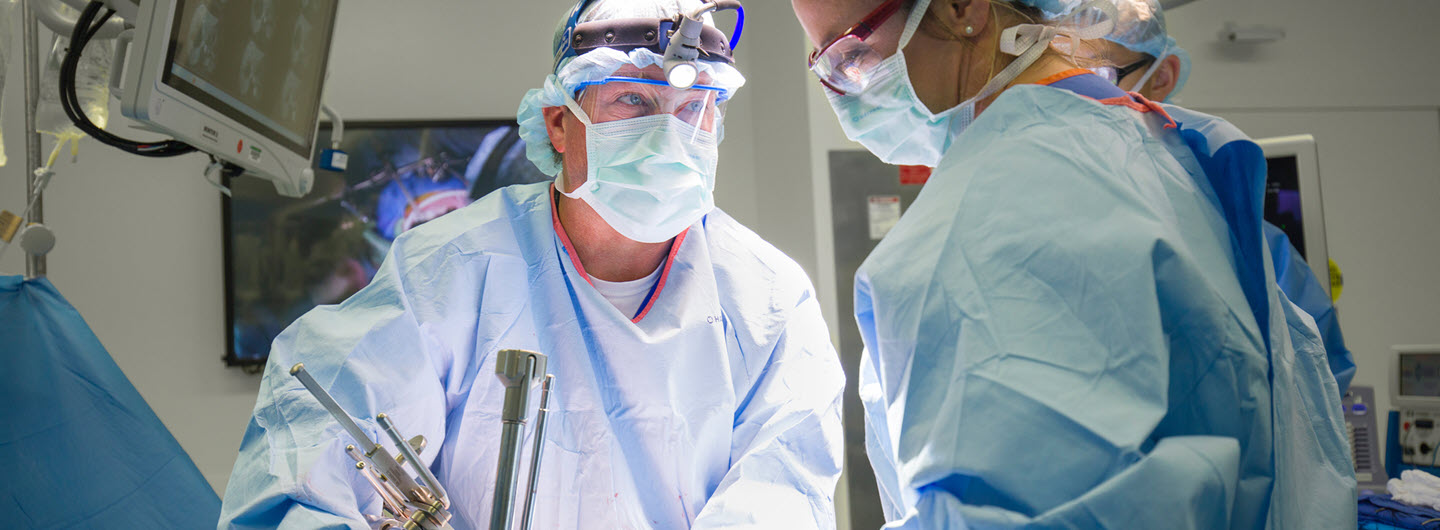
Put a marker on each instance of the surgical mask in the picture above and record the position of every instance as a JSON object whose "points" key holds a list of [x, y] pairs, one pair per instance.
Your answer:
{"points": [[649, 177], [889, 119]]}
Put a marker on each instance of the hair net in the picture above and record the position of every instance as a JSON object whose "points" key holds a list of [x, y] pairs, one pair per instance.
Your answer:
{"points": [[600, 63], [1141, 28]]}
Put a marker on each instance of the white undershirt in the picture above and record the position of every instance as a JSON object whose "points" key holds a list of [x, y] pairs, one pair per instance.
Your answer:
{"points": [[627, 296]]}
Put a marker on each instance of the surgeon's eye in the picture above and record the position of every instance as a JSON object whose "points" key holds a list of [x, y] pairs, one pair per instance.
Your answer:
{"points": [[691, 112], [630, 105]]}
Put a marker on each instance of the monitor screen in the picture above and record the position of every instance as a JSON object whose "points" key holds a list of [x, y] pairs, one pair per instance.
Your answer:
{"points": [[1282, 199], [284, 256], [1420, 374], [260, 63]]}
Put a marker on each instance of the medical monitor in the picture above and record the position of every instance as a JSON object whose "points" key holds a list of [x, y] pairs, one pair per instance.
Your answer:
{"points": [[1415, 377], [239, 79], [284, 256], [1293, 199]]}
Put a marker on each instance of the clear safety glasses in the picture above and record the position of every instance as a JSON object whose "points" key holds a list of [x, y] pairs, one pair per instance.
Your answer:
{"points": [[845, 64], [620, 98]]}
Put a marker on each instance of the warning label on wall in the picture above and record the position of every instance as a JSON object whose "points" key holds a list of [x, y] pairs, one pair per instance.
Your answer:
{"points": [[884, 213]]}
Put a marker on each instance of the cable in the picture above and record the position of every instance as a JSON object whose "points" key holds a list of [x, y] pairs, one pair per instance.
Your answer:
{"points": [[85, 29]]}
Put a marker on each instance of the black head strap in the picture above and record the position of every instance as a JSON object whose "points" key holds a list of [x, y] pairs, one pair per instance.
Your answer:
{"points": [[653, 34]]}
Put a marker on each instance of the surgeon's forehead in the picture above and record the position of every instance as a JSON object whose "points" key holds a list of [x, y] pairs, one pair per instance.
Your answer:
{"points": [[653, 72]]}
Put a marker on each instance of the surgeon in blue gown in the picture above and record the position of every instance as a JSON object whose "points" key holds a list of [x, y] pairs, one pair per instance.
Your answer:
{"points": [[1153, 64], [1076, 323], [696, 386]]}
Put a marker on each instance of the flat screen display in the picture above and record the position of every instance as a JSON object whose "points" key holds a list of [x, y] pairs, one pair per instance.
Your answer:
{"points": [[1420, 374], [285, 256], [1282, 199], [260, 63]]}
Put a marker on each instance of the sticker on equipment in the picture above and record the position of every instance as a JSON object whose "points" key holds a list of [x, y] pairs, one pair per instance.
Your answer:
{"points": [[884, 213]]}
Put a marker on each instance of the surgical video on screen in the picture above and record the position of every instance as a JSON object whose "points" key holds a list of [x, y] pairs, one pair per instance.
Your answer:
{"points": [[1282, 199], [285, 256], [1420, 374]]}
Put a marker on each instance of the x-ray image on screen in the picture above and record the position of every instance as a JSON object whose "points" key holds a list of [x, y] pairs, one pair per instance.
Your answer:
{"points": [[200, 42], [263, 19], [289, 97], [250, 73], [238, 57], [300, 36]]}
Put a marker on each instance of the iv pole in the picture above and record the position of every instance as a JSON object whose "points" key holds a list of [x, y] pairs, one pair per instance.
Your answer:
{"points": [[30, 33]]}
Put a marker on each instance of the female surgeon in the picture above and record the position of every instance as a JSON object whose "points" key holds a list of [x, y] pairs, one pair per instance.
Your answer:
{"points": [[1075, 324]]}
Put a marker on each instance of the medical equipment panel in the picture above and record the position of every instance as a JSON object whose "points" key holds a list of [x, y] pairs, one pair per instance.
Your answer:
{"points": [[1360, 427], [240, 80], [1415, 394]]}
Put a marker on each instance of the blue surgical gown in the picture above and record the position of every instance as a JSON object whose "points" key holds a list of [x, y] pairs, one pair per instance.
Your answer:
{"points": [[719, 407], [1301, 286], [1291, 272], [1076, 325]]}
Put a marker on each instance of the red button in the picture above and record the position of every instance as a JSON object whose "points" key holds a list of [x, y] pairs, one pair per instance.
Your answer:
{"points": [[239, 145]]}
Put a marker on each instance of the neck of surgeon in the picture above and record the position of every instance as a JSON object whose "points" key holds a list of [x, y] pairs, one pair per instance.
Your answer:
{"points": [[603, 252]]}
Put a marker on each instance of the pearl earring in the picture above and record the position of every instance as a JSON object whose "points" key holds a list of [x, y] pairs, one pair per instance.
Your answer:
{"points": [[969, 30]]}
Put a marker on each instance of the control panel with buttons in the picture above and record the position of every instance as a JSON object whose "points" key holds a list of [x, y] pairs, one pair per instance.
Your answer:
{"points": [[1419, 437]]}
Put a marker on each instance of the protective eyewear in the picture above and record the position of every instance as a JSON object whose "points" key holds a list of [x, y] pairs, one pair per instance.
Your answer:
{"points": [[620, 98], [846, 63], [1122, 72]]}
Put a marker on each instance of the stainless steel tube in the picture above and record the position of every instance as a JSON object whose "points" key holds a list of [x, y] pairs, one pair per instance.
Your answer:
{"points": [[535, 454], [413, 458], [374, 450], [506, 472], [516, 369], [30, 34], [343, 418]]}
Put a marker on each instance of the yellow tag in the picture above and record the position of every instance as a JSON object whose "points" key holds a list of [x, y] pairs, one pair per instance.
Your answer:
{"points": [[9, 223], [1337, 282]]}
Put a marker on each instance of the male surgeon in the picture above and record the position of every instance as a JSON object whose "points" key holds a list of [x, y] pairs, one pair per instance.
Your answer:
{"points": [[696, 386]]}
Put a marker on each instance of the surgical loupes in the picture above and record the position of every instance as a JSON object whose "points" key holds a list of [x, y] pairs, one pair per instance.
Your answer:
{"points": [[408, 504], [518, 370]]}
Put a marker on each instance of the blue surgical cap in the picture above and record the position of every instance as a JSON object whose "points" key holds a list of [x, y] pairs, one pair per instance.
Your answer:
{"points": [[1140, 27], [1053, 9], [571, 71]]}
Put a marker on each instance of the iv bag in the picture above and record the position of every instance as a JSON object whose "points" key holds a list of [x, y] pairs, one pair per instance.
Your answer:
{"points": [[7, 31], [92, 88]]}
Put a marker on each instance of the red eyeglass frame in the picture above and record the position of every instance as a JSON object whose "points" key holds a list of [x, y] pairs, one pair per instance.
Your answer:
{"points": [[861, 30]]}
